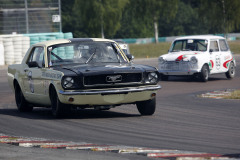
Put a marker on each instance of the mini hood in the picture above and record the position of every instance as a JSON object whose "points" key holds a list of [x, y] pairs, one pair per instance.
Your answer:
{"points": [[180, 56]]}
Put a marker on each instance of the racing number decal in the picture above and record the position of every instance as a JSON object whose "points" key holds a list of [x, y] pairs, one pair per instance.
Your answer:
{"points": [[30, 81], [218, 62]]}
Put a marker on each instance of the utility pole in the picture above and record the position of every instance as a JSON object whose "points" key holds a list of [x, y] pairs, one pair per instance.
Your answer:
{"points": [[224, 19], [26, 16], [60, 14]]}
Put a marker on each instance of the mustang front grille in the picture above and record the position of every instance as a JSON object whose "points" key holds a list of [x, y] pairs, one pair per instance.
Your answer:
{"points": [[104, 80]]}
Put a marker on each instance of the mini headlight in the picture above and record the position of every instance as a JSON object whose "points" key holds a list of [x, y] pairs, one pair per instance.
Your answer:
{"points": [[161, 60], [193, 60], [68, 82], [152, 78]]}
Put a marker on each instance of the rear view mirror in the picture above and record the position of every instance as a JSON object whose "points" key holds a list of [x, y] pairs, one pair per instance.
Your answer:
{"points": [[33, 64], [130, 57]]}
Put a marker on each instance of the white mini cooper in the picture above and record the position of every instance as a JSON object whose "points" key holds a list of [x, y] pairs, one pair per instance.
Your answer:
{"points": [[199, 56]]}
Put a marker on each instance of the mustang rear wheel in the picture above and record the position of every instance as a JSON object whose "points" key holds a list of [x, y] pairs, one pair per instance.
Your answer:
{"points": [[147, 107], [59, 110], [21, 103], [231, 71]]}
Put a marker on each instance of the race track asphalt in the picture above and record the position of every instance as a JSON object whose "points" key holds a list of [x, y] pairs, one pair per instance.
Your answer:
{"points": [[182, 121]]}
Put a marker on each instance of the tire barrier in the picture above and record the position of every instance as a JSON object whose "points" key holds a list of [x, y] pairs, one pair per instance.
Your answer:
{"points": [[17, 46], [34, 39], [14, 47], [25, 45], [1, 52], [68, 35], [8, 50]]}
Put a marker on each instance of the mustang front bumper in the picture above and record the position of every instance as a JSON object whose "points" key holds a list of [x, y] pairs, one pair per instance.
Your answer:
{"points": [[111, 96]]}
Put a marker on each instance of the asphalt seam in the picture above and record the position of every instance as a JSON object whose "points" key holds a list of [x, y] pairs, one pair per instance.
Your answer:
{"points": [[148, 152]]}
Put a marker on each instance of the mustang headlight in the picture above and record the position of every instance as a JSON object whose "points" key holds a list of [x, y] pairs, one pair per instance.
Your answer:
{"points": [[68, 82], [193, 60], [151, 78], [161, 60]]}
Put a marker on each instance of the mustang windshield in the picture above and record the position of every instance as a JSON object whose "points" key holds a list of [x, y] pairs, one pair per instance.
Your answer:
{"points": [[84, 52], [189, 45]]}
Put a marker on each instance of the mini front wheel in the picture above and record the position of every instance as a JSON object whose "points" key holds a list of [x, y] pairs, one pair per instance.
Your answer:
{"points": [[231, 71], [147, 107], [203, 75]]}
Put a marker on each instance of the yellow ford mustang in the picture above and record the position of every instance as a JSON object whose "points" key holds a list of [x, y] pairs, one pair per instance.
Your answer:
{"points": [[84, 73]]}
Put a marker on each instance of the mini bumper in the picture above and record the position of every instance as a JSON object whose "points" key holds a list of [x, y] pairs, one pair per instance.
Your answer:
{"points": [[178, 73]]}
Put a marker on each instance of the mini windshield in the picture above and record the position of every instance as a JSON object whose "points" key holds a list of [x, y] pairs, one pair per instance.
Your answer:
{"points": [[189, 45], [84, 53]]}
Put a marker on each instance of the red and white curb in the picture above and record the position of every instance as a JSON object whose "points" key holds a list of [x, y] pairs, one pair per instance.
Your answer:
{"points": [[149, 152], [217, 94]]}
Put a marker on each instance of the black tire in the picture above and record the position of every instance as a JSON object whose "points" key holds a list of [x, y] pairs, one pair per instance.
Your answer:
{"points": [[204, 74], [231, 71], [22, 104], [59, 110], [164, 77], [147, 107]]}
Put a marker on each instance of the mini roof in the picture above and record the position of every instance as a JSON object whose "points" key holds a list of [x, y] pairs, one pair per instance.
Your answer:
{"points": [[208, 37]]}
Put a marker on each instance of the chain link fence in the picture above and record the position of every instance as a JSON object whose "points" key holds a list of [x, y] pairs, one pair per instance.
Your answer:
{"points": [[30, 16]]}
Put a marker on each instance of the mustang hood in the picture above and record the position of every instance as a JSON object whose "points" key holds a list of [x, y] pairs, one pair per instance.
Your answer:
{"points": [[89, 69], [179, 56]]}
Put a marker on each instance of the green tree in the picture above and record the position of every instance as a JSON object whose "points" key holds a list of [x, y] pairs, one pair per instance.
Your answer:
{"points": [[135, 23], [67, 16], [142, 17], [186, 21], [222, 16], [96, 18], [161, 9]]}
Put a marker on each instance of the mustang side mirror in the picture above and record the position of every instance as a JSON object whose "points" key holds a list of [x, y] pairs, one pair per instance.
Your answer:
{"points": [[33, 64], [130, 57]]}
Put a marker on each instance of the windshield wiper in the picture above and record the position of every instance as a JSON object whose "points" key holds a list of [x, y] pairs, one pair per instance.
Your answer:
{"points": [[187, 50], [175, 50], [91, 57]]}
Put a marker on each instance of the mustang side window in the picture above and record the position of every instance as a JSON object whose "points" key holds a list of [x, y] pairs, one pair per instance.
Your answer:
{"points": [[37, 56], [223, 45], [214, 46]]}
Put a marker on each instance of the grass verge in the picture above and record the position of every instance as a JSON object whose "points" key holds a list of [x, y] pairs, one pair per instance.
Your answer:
{"points": [[234, 95], [155, 50]]}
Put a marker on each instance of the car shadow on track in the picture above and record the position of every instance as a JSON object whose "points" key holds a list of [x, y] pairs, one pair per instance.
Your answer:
{"points": [[191, 79], [45, 113]]}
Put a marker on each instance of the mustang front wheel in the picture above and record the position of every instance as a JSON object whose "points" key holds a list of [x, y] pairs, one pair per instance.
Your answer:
{"points": [[58, 108], [147, 107]]}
